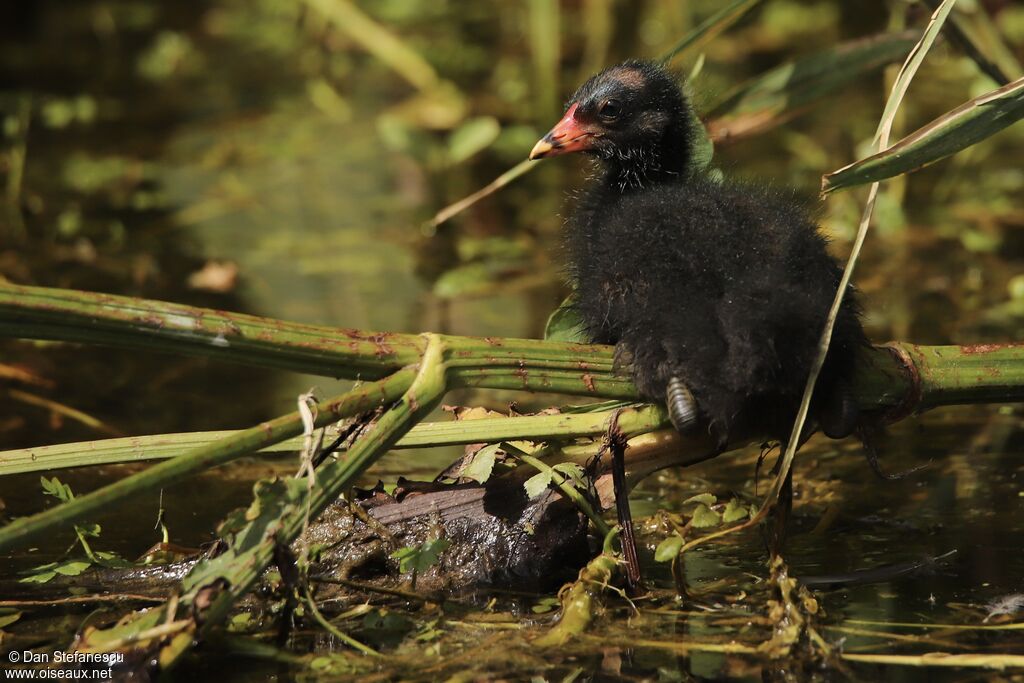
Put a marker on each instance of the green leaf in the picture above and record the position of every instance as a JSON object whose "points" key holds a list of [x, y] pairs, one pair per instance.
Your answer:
{"points": [[422, 557], [6, 619], [40, 577], [537, 484], [704, 517], [483, 464], [429, 631], [703, 498], [909, 70], [54, 487], [668, 549], [405, 556], [45, 572], [430, 551], [735, 511], [573, 472], [90, 529], [72, 567], [952, 132], [240, 622], [110, 559], [565, 324]]}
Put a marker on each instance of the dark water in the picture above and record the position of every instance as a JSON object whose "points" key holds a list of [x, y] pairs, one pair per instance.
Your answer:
{"points": [[165, 138]]}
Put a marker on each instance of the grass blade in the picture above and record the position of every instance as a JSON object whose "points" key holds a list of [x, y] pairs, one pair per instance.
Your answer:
{"points": [[785, 91], [709, 29], [952, 132], [379, 41], [545, 51]]}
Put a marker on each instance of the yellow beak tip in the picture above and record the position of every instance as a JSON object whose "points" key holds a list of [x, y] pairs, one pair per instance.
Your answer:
{"points": [[540, 150]]}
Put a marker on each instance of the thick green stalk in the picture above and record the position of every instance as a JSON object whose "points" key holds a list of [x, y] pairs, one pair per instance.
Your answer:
{"points": [[139, 448], [69, 315], [906, 376], [358, 400], [526, 364]]}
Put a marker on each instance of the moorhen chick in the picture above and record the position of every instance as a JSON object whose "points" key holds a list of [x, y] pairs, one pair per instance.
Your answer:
{"points": [[715, 293]]}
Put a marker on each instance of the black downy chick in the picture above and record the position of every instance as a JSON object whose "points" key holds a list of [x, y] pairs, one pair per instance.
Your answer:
{"points": [[714, 293]]}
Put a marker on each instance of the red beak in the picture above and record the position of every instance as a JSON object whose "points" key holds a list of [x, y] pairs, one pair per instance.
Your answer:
{"points": [[566, 137]]}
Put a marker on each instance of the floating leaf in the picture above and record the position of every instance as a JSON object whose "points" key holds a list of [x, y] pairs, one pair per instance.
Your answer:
{"points": [[956, 130], [39, 577], [703, 498], [45, 572], [386, 628], [422, 557], [668, 549], [735, 511], [704, 517]]}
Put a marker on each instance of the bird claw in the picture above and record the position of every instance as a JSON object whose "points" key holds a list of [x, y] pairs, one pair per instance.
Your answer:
{"points": [[682, 408]]}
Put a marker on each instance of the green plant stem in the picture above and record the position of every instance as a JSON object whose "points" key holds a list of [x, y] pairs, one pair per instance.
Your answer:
{"points": [[330, 628], [359, 400], [941, 375], [138, 448], [525, 364]]}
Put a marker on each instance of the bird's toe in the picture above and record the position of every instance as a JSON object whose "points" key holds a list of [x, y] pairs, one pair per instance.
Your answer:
{"points": [[682, 408]]}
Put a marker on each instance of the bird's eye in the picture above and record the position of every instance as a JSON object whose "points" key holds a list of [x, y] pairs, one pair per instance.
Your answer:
{"points": [[610, 110]]}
